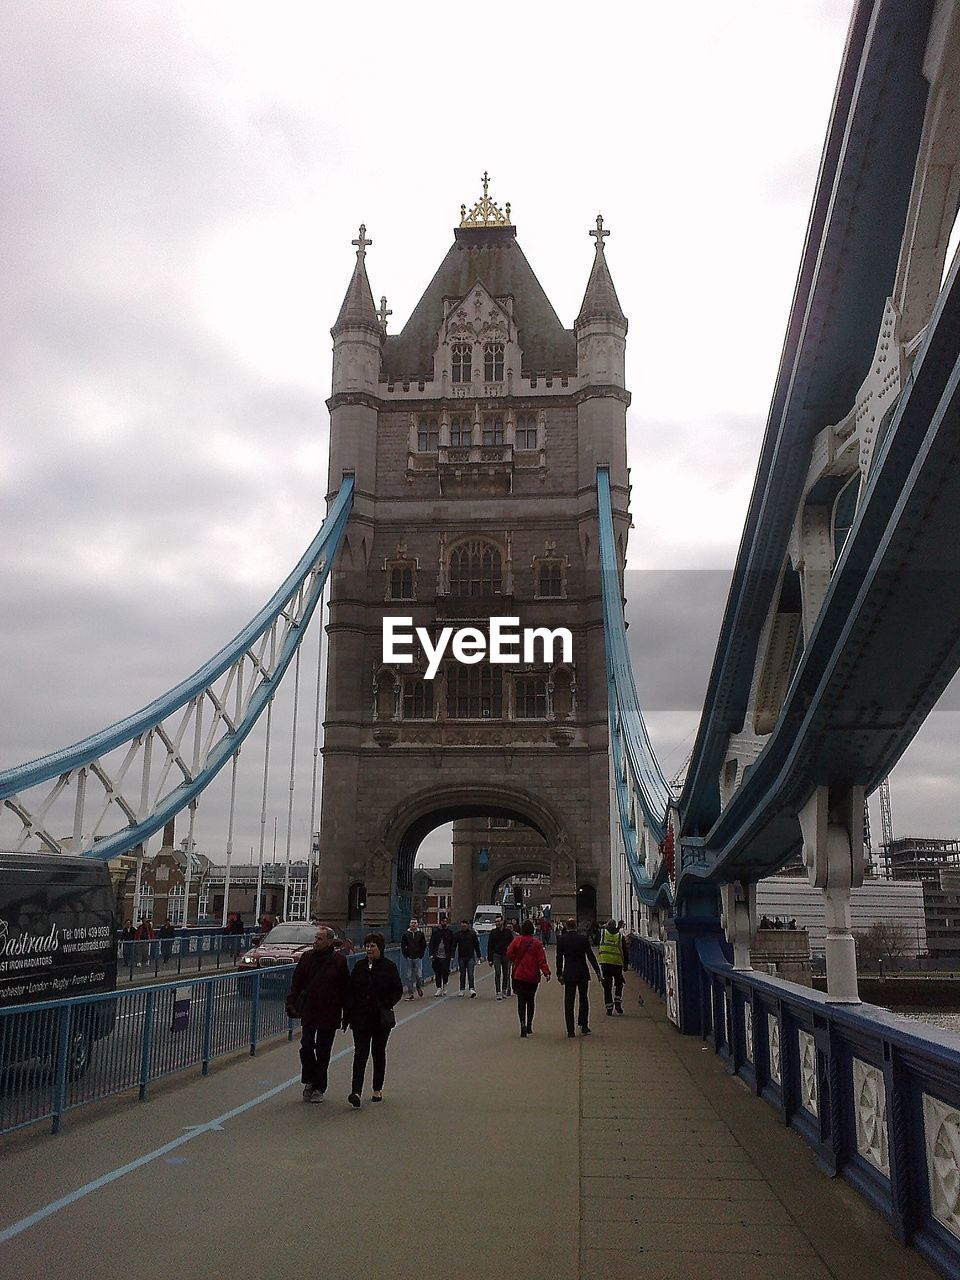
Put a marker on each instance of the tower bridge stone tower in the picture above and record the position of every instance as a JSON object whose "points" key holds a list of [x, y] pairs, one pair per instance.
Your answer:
{"points": [[474, 436]]}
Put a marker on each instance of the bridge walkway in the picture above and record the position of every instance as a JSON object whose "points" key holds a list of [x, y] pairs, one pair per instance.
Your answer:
{"points": [[630, 1153]]}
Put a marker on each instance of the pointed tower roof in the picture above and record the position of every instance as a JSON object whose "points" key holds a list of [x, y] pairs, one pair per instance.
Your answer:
{"points": [[358, 310], [485, 249], [600, 302]]}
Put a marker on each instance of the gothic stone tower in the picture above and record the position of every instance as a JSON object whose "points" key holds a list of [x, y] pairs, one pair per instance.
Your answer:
{"points": [[474, 436]]}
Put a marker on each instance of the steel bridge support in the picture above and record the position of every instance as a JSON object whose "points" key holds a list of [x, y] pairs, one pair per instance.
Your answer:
{"points": [[832, 826]]}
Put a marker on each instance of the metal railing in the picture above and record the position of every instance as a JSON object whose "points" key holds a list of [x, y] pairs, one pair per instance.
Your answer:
{"points": [[62, 1054], [877, 1098], [187, 952]]}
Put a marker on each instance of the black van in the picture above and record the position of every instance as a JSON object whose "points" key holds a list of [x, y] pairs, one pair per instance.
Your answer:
{"points": [[58, 938]]}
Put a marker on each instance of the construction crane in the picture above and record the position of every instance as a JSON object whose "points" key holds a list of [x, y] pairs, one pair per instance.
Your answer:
{"points": [[886, 827]]}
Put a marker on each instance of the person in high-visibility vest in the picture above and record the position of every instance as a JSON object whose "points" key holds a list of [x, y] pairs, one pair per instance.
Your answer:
{"points": [[612, 957]]}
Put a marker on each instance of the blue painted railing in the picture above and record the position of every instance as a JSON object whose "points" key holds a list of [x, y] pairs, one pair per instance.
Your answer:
{"points": [[62, 1054], [876, 1098]]}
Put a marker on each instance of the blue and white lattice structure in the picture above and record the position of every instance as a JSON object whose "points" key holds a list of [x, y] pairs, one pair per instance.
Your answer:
{"points": [[109, 793], [640, 795]]}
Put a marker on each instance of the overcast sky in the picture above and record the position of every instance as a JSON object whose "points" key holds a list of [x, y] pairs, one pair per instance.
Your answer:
{"points": [[182, 183]]}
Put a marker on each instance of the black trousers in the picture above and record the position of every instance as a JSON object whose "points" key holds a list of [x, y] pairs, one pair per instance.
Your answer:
{"points": [[526, 999], [612, 978], [441, 971], [316, 1044], [363, 1043], [570, 990]]}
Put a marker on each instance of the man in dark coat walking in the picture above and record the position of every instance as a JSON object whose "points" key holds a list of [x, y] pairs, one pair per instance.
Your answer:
{"points": [[317, 995], [574, 952], [466, 948], [441, 953]]}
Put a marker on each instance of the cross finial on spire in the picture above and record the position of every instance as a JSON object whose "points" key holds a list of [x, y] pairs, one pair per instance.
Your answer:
{"points": [[486, 183], [362, 242], [383, 312], [600, 234]]}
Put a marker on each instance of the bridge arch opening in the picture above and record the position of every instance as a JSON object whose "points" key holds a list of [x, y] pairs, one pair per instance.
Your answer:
{"points": [[498, 835]]}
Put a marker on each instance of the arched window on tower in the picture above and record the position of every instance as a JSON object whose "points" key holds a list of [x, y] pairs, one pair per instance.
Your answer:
{"points": [[526, 432], [493, 428], [428, 434], [476, 569], [493, 362], [462, 362], [461, 431]]}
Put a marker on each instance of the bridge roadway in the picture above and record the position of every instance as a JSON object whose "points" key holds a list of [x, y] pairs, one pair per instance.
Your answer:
{"points": [[631, 1153]]}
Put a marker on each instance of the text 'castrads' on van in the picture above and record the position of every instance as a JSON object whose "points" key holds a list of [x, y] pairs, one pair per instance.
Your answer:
{"points": [[58, 938]]}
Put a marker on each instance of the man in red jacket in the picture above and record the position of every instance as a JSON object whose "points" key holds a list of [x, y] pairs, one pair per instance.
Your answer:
{"points": [[317, 996]]}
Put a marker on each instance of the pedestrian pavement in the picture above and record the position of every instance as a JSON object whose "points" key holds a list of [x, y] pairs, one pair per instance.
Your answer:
{"points": [[630, 1153]]}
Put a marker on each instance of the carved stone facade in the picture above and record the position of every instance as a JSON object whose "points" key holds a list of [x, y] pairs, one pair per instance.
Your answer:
{"points": [[474, 439]]}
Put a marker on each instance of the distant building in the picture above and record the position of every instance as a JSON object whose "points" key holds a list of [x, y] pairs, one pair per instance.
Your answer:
{"points": [[432, 893], [935, 863], [890, 901], [163, 889]]}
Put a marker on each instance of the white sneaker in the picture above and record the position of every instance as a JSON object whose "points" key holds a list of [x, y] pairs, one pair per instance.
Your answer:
{"points": [[473, 995], [461, 994], [438, 993], [499, 995]]}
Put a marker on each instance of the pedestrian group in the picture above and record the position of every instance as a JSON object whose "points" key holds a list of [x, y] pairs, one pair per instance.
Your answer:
{"points": [[326, 995]]}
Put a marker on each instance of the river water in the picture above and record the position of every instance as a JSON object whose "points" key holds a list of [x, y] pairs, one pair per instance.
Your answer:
{"points": [[945, 1019]]}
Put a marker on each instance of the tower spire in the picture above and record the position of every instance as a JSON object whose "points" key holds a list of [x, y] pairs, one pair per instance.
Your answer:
{"points": [[600, 301], [358, 310]]}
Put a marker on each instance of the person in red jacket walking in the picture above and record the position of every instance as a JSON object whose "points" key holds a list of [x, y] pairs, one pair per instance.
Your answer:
{"points": [[529, 961]]}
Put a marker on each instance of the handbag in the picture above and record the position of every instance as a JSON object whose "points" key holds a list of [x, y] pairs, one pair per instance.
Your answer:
{"points": [[388, 1019]]}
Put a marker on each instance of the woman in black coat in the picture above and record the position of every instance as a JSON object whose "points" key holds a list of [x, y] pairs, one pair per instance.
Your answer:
{"points": [[375, 987]]}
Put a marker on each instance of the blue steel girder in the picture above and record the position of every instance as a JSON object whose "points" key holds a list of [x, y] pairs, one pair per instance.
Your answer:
{"points": [[638, 778], [887, 640], [847, 270], [262, 651]]}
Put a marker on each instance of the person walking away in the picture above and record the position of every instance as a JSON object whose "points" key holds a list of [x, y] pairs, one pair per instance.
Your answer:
{"points": [[613, 958], [144, 936], [375, 987], [529, 961], [441, 951], [498, 939], [545, 930], [413, 947], [466, 949], [166, 934], [317, 996], [128, 935], [234, 932], [574, 953]]}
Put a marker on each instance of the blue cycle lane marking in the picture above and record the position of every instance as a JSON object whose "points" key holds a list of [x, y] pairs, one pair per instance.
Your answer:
{"points": [[191, 1131]]}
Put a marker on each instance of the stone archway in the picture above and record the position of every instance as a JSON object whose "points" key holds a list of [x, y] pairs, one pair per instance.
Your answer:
{"points": [[389, 871]]}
